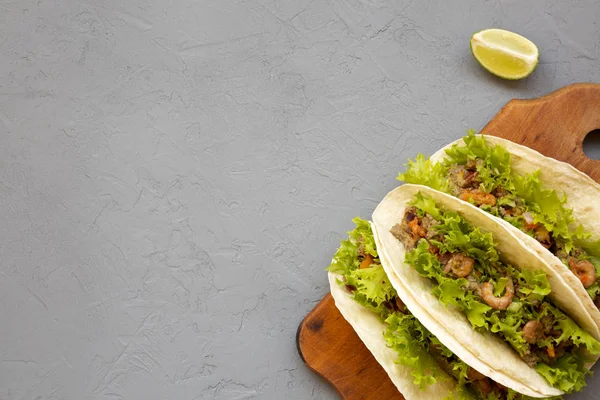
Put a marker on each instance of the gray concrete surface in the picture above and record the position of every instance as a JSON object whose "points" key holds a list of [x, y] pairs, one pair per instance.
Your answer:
{"points": [[176, 175]]}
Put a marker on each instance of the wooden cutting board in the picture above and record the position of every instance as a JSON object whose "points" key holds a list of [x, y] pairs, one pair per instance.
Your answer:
{"points": [[555, 125]]}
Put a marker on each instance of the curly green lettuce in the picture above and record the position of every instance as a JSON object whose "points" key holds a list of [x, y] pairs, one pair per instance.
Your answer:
{"points": [[413, 343], [345, 259], [411, 340], [424, 172], [373, 288]]}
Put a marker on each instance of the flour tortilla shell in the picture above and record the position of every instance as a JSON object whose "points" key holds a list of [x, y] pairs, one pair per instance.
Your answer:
{"points": [[427, 320], [480, 350], [370, 329]]}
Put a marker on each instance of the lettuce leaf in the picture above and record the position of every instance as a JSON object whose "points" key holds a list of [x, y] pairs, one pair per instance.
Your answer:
{"points": [[410, 339], [346, 259], [548, 208], [373, 288], [463, 391], [509, 327], [570, 330], [592, 249], [424, 172], [594, 290], [495, 168], [568, 374], [533, 285], [427, 205], [413, 342]]}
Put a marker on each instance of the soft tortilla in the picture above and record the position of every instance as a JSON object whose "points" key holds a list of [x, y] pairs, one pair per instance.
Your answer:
{"points": [[427, 320], [583, 196], [370, 330], [451, 326]]}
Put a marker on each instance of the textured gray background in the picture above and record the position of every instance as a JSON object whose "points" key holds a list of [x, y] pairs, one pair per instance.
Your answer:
{"points": [[176, 175]]}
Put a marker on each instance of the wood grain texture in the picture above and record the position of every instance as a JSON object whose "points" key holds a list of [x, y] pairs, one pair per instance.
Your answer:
{"points": [[555, 125]]}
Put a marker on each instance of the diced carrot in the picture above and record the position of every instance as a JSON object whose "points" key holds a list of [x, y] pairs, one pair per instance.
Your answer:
{"points": [[366, 263], [551, 352], [416, 229]]}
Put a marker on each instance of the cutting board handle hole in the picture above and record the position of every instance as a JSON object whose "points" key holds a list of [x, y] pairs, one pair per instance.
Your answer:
{"points": [[591, 145]]}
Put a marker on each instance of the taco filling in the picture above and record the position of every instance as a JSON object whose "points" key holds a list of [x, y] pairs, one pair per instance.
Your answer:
{"points": [[364, 278], [481, 174], [468, 273]]}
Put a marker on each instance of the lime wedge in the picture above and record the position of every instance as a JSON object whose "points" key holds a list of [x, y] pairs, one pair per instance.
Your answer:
{"points": [[505, 54]]}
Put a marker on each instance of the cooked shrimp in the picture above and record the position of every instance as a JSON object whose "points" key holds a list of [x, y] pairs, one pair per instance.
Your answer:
{"points": [[478, 197], [417, 229], [584, 270], [533, 331], [499, 303], [460, 265]]}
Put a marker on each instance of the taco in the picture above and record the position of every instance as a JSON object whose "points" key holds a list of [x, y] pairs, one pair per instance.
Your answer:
{"points": [[417, 362], [552, 206], [489, 299]]}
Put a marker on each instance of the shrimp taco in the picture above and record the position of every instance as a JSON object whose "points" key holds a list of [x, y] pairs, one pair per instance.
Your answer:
{"points": [[550, 205], [417, 362], [490, 300]]}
